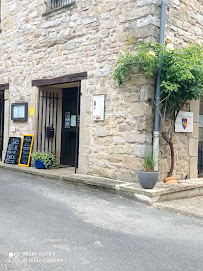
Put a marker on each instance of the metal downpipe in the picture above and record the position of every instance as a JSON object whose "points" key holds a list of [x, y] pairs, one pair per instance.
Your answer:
{"points": [[157, 92]]}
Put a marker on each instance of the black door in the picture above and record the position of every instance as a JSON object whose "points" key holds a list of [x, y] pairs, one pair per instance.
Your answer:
{"points": [[1, 122], [69, 127]]}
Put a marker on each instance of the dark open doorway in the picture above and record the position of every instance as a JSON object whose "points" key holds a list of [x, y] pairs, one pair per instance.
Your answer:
{"points": [[1, 122], [200, 143], [70, 128]]}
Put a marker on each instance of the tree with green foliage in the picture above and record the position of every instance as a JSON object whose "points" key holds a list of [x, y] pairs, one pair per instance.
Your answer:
{"points": [[181, 73]]}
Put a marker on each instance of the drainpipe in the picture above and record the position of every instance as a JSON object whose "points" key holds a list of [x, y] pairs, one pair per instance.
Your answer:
{"points": [[157, 93]]}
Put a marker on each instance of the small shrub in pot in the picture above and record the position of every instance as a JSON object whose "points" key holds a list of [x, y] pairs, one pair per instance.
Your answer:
{"points": [[44, 160], [148, 177]]}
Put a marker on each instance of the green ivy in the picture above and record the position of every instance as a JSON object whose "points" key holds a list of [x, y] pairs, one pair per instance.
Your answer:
{"points": [[47, 158], [181, 70]]}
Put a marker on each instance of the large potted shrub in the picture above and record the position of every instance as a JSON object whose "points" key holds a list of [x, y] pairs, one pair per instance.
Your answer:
{"points": [[44, 160], [148, 177]]}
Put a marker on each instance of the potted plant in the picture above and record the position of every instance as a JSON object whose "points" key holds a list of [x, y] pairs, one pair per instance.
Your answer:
{"points": [[148, 177], [44, 160]]}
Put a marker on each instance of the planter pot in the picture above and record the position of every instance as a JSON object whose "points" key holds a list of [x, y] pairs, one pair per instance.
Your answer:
{"points": [[148, 179], [39, 164]]}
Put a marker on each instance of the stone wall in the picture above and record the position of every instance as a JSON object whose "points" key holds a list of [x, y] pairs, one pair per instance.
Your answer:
{"points": [[87, 37], [184, 26]]}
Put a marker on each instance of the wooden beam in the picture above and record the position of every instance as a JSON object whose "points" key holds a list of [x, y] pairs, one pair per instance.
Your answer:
{"points": [[60, 80], [4, 86]]}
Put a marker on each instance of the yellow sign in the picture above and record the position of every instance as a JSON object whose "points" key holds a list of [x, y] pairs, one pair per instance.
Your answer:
{"points": [[32, 110], [26, 149]]}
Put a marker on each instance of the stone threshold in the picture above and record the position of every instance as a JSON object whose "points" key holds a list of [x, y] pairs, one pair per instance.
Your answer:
{"points": [[160, 193]]}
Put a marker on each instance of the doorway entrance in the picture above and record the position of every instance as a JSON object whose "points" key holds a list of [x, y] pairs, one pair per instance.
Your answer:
{"points": [[200, 143], [70, 127], [58, 117]]}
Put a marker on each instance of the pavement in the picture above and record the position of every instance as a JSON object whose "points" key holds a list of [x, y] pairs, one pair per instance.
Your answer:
{"points": [[189, 206], [49, 225], [185, 198]]}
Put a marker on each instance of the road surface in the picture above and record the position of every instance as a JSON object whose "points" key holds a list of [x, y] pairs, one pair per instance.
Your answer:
{"points": [[49, 225]]}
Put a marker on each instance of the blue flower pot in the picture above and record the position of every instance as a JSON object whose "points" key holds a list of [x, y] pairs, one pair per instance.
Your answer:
{"points": [[39, 164]]}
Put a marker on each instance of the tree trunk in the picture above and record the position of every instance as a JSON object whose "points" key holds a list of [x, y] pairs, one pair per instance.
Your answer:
{"points": [[170, 143]]}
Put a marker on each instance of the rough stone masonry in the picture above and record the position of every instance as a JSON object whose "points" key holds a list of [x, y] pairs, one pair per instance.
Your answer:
{"points": [[87, 36]]}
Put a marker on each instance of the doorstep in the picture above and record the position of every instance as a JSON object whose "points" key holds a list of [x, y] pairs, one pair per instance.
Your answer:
{"points": [[160, 193]]}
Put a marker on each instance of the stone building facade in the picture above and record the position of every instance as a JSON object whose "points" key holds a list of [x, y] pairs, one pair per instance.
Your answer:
{"points": [[49, 52]]}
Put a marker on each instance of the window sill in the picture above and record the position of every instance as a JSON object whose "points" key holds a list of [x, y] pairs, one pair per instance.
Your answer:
{"points": [[58, 10]]}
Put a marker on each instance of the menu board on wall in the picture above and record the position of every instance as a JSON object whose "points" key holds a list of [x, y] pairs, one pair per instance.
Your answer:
{"points": [[26, 149], [13, 150]]}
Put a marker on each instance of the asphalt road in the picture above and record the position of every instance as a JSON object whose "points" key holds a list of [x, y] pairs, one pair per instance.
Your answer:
{"points": [[48, 225]]}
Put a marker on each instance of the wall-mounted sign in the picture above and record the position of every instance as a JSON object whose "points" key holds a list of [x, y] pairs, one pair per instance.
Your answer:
{"points": [[98, 107], [13, 128], [26, 149], [67, 120], [19, 111], [201, 121], [73, 121], [32, 110], [184, 122]]}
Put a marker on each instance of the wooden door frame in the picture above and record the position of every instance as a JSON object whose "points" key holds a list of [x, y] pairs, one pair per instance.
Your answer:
{"points": [[6, 107]]}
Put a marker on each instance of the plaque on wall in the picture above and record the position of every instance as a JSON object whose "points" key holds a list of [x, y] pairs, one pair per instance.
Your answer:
{"points": [[200, 121], [98, 107], [73, 121], [184, 122]]}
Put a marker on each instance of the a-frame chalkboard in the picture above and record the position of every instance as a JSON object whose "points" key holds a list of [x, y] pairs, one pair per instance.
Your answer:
{"points": [[13, 150], [26, 149]]}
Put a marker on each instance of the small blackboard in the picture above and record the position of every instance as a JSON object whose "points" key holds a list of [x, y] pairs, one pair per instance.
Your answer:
{"points": [[13, 150], [26, 149]]}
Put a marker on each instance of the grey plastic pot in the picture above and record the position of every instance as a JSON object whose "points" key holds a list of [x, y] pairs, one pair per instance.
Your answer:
{"points": [[147, 179]]}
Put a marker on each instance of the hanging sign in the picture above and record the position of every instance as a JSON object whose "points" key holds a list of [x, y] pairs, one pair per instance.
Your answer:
{"points": [[98, 107], [26, 149], [13, 150], [184, 122]]}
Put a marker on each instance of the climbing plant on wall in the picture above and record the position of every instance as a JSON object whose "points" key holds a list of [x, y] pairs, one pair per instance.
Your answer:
{"points": [[181, 72]]}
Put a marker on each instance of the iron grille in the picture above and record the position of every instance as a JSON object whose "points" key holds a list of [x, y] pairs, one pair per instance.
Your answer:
{"points": [[47, 118], [200, 157], [52, 4]]}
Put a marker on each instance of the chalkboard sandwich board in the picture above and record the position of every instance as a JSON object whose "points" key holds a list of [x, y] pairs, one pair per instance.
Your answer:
{"points": [[26, 149], [13, 150]]}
